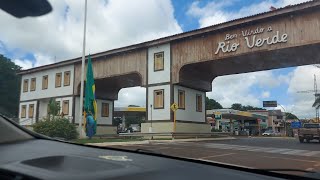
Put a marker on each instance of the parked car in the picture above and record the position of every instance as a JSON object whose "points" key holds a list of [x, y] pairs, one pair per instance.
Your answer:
{"points": [[271, 133]]}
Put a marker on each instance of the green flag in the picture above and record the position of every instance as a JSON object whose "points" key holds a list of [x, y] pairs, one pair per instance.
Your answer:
{"points": [[90, 104]]}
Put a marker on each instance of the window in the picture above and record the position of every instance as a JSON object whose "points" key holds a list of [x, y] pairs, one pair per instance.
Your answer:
{"points": [[181, 99], [33, 84], [45, 82], [58, 79], [158, 99], [66, 78], [199, 103], [65, 107], [105, 110], [23, 111], [31, 110], [158, 61], [25, 85]]}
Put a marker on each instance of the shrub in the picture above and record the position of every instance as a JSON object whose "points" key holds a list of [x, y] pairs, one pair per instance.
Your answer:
{"points": [[56, 127], [216, 130]]}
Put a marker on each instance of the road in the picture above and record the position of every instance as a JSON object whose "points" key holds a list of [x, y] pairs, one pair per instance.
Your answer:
{"points": [[255, 152]]}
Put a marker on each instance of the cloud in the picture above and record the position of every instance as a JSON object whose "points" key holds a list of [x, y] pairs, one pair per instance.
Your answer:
{"points": [[303, 80], [215, 12], [110, 24], [131, 96], [237, 88], [265, 94], [25, 64]]}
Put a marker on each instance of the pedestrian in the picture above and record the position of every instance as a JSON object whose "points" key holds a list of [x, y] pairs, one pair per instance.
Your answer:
{"points": [[90, 125]]}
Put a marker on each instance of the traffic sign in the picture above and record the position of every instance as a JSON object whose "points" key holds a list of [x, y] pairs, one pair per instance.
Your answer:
{"points": [[296, 124], [174, 107], [270, 104]]}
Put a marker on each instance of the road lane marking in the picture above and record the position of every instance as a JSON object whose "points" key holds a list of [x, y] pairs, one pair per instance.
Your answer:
{"points": [[293, 159], [312, 153], [294, 152], [219, 155]]}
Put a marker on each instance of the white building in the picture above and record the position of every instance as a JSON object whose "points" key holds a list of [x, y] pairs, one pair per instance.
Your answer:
{"points": [[39, 85]]}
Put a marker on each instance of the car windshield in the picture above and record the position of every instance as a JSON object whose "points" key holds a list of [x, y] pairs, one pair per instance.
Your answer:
{"points": [[206, 80], [311, 126]]}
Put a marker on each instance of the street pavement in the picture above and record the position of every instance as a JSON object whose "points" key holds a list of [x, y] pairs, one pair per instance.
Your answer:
{"points": [[255, 152]]}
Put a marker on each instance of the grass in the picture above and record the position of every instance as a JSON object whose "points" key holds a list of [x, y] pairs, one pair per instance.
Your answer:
{"points": [[98, 140]]}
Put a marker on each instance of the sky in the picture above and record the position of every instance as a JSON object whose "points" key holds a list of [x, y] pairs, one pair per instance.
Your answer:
{"points": [[33, 42]]}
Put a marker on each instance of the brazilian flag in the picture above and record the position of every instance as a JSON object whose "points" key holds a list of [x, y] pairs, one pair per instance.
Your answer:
{"points": [[90, 103]]}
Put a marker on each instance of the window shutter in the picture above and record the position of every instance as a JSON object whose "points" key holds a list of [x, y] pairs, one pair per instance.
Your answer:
{"points": [[33, 84], [58, 79], [66, 78], [31, 110], [23, 111], [105, 109], [45, 82], [25, 85], [158, 98], [159, 61], [65, 107]]}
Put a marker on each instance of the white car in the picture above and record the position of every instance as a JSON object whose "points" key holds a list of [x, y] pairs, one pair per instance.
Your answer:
{"points": [[268, 133]]}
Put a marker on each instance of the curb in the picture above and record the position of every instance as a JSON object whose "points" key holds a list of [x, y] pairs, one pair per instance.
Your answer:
{"points": [[157, 141]]}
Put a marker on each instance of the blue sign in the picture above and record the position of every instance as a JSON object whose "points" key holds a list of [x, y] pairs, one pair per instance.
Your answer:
{"points": [[296, 124]]}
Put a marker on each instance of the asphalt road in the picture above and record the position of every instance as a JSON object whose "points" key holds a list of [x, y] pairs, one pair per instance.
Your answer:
{"points": [[262, 153]]}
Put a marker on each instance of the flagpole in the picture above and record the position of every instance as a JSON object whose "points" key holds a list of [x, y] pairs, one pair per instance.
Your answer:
{"points": [[82, 70]]}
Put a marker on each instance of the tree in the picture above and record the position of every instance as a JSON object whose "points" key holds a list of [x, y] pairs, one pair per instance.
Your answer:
{"points": [[240, 107], [290, 116], [9, 87], [236, 106], [53, 108], [133, 106], [212, 104]]}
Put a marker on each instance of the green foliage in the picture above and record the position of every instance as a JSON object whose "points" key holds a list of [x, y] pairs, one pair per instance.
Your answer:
{"points": [[57, 127], [240, 107], [290, 116], [53, 108], [212, 104], [216, 130], [133, 106], [9, 87]]}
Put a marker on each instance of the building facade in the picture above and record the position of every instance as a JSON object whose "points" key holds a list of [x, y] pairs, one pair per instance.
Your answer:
{"points": [[37, 88]]}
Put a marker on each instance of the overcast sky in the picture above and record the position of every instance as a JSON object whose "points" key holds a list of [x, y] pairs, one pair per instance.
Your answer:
{"points": [[32, 42]]}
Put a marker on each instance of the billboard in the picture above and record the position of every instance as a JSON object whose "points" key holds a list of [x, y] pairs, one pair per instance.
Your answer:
{"points": [[270, 104]]}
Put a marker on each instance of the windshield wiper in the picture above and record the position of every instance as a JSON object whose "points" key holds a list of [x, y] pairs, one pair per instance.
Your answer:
{"points": [[296, 170]]}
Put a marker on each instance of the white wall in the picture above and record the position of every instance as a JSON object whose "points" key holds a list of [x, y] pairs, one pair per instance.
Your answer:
{"points": [[52, 91], [159, 76], [190, 113], [159, 114], [104, 120], [101, 120], [43, 107], [27, 120]]}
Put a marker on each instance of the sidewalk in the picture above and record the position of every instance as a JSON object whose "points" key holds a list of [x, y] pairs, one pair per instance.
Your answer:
{"points": [[157, 141]]}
